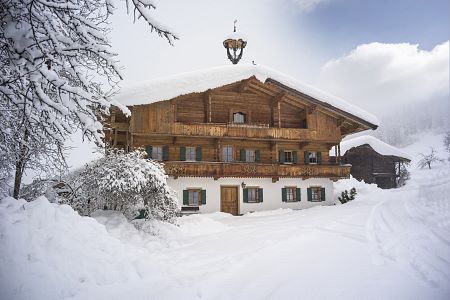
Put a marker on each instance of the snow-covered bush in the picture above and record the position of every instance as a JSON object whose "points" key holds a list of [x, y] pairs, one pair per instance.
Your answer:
{"points": [[126, 182], [403, 175], [346, 197]]}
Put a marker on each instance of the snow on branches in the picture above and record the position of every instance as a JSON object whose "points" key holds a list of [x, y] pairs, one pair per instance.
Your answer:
{"points": [[58, 72], [127, 182]]}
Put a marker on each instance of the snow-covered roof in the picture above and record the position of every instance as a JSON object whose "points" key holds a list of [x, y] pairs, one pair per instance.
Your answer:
{"points": [[199, 81], [379, 146]]}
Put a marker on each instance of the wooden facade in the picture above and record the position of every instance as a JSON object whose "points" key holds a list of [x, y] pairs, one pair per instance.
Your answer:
{"points": [[273, 120], [372, 167]]}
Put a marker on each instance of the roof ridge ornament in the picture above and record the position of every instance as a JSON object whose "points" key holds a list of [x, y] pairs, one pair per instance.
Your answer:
{"points": [[235, 45]]}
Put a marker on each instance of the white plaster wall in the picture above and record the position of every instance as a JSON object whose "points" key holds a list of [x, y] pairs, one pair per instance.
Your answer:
{"points": [[272, 192]]}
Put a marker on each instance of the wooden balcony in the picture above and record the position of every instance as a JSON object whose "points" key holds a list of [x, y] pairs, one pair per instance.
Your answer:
{"points": [[220, 169], [242, 131]]}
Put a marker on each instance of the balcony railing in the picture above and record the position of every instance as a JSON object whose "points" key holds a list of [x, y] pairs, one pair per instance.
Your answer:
{"points": [[233, 130], [221, 169]]}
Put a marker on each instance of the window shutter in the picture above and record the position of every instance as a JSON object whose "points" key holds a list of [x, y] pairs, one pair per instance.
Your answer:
{"points": [[242, 155], [198, 154], [257, 155], [245, 194], [294, 157], [283, 194], [260, 195], [149, 150], [165, 150], [185, 197], [306, 157], [203, 197], [319, 157], [309, 194], [322, 194], [182, 153], [298, 195], [281, 156]]}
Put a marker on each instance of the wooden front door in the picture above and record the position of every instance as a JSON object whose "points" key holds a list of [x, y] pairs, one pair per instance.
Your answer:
{"points": [[229, 199]]}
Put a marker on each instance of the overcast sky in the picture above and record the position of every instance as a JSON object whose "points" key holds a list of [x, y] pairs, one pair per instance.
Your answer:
{"points": [[373, 53]]}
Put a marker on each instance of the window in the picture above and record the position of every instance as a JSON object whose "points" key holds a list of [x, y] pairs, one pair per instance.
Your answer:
{"points": [[194, 197], [227, 153], [190, 153], [288, 157], [157, 152], [316, 194], [249, 155], [238, 117], [312, 157], [291, 194], [253, 195]]}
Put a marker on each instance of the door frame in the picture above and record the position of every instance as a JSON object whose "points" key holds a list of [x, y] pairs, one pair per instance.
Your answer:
{"points": [[238, 197]]}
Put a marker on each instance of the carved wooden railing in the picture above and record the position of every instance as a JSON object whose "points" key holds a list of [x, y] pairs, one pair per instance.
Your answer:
{"points": [[231, 130], [219, 169]]}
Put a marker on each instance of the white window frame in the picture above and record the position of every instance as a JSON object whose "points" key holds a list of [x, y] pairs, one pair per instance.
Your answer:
{"points": [[194, 196], [312, 157], [190, 153], [290, 155], [227, 153], [239, 117], [316, 194], [157, 153], [250, 155], [291, 194], [253, 194]]}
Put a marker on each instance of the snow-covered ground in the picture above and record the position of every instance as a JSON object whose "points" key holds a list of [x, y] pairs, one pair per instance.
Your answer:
{"points": [[387, 244]]}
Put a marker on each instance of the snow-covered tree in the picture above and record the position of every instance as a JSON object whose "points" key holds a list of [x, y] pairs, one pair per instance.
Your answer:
{"points": [[127, 182], [428, 159], [57, 72]]}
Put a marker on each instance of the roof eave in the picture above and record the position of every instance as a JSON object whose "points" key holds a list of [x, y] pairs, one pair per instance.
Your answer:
{"points": [[325, 104]]}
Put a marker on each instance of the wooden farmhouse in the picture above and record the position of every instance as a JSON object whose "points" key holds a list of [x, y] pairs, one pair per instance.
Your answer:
{"points": [[374, 161], [239, 138]]}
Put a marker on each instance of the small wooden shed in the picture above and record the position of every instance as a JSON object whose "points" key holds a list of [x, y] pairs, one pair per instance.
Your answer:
{"points": [[373, 161]]}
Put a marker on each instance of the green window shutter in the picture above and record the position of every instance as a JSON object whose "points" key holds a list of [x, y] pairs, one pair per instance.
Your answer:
{"points": [[149, 150], [298, 195], [295, 157], [245, 193], [257, 155], [283, 194], [260, 195], [182, 153], [281, 156], [319, 157], [165, 150], [185, 197], [322, 194], [198, 154], [242, 155], [309, 194], [203, 197], [306, 153]]}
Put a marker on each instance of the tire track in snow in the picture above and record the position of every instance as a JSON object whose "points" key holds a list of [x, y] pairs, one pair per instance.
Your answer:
{"points": [[411, 227]]}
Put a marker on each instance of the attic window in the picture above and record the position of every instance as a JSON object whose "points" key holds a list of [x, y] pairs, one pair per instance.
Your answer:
{"points": [[239, 117]]}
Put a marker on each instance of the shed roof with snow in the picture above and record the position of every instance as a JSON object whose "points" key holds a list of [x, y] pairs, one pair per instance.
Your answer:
{"points": [[378, 146]]}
